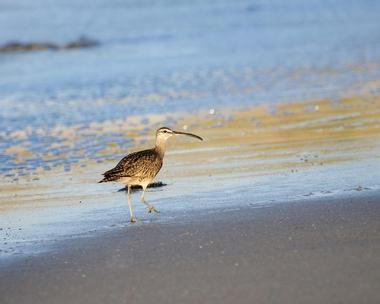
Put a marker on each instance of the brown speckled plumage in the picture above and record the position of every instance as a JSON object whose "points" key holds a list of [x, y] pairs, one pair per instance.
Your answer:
{"points": [[139, 168], [142, 164]]}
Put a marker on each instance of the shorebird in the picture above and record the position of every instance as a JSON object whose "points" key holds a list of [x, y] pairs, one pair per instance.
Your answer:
{"points": [[139, 168]]}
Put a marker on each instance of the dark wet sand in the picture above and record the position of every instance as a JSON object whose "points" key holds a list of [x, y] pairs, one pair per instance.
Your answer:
{"points": [[323, 250]]}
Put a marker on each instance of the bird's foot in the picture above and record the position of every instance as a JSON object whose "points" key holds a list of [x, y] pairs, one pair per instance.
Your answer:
{"points": [[133, 219], [151, 209]]}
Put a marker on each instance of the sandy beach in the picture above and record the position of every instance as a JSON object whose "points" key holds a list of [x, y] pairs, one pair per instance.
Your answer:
{"points": [[310, 251], [277, 205]]}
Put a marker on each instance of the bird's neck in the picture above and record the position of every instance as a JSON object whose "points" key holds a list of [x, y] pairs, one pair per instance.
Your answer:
{"points": [[160, 146]]}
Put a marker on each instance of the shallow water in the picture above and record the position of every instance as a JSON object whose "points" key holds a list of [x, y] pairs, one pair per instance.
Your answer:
{"points": [[168, 56], [255, 158], [228, 71]]}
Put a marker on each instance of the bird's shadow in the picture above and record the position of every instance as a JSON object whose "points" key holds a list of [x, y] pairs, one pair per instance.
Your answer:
{"points": [[139, 188]]}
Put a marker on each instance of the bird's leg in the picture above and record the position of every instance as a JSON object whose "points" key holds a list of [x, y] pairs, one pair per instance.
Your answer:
{"points": [[151, 208], [133, 219]]}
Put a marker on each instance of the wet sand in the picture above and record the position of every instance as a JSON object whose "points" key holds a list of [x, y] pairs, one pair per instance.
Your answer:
{"points": [[310, 251], [290, 151], [279, 204]]}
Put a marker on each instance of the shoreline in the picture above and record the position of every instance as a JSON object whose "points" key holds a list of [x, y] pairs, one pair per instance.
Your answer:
{"points": [[313, 250], [283, 127], [254, 188]]}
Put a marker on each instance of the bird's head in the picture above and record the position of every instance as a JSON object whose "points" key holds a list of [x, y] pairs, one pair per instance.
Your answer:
{"points": [[164, 133]]}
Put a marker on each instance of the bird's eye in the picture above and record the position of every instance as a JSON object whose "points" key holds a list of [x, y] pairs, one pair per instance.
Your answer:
{"points": [[165, 131]]}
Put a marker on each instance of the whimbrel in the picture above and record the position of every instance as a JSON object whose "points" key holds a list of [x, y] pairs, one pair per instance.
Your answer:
{"points": [[139, 168]]}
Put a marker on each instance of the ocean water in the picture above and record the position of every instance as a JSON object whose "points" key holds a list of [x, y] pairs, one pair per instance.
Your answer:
{"points": [[158, 56], [169, 56]]}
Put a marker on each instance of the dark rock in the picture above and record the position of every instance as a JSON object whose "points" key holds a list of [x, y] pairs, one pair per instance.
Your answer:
{"points": [[82, 42], [11, 47]]}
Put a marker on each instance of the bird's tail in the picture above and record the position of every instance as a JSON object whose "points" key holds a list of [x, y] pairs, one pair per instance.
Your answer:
{"points": [[107, 179], [104, 180]]}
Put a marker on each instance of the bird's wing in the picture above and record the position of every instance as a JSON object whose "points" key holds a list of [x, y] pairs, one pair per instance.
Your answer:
{"points": [[144, 163]]}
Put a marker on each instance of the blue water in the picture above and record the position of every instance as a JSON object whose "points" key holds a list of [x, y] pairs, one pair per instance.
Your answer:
{"points": [[210, 49], [167, 56]]}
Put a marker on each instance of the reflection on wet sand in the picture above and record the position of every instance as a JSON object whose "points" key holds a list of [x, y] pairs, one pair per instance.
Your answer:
{"points": [[253, 156], [254, 141], [286, 136]]}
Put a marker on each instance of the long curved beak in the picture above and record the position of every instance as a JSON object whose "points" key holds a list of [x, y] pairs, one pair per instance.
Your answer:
{"points": [[188, 134]]}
